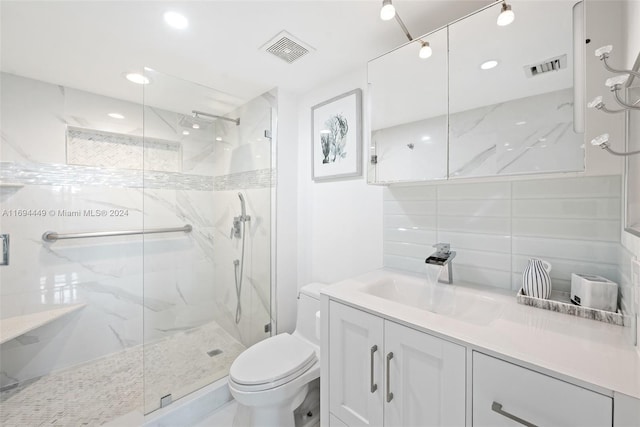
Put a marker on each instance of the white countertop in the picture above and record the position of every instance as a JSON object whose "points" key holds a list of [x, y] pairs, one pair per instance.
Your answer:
{"points": [[589, 351]]}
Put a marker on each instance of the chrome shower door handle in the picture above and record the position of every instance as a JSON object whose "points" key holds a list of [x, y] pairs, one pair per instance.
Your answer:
{"points": [[389, 394], [374, 386], [497, 407]]}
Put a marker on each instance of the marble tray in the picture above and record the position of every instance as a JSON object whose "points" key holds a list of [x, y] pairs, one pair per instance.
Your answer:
{"points": [[560, 302]]}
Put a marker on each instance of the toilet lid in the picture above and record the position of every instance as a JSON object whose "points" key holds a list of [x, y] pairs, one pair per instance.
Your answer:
{"points": [[271, 360]]}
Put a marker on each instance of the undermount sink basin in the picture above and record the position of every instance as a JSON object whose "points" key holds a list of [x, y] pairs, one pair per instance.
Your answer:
{"points": [[464, 304]]}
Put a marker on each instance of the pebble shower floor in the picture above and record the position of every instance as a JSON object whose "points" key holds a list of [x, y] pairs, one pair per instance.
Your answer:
{"points": [[102, 390]]}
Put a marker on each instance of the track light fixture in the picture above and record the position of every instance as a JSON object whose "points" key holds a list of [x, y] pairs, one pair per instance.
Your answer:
{"points": [[506, 16], [388, 12]]}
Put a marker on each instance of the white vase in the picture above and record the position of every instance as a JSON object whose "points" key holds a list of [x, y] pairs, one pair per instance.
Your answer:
{"points": [[536, 282]]}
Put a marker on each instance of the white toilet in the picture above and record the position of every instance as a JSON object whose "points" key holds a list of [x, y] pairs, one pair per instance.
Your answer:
{"points": [[275, 377]]}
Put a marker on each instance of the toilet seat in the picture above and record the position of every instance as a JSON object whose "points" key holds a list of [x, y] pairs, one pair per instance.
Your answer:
{"points": [[271, 363]]}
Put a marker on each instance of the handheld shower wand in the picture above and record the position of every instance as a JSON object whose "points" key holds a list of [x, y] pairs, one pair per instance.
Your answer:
{"points": [[243, 208]]}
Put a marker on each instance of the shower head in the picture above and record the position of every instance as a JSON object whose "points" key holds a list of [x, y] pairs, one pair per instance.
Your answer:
{"points": [[199, 114]]}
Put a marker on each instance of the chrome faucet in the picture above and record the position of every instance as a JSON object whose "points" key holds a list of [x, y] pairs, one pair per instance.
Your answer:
{"points": [[443, 256]]}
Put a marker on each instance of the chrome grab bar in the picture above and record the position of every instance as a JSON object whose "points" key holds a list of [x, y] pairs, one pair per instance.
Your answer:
{"points": [[497, 407], [52, 236], [374, 386], [389, 394]]}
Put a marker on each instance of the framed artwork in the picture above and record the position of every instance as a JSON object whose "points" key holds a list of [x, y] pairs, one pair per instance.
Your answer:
{"points": [[336, 137]]}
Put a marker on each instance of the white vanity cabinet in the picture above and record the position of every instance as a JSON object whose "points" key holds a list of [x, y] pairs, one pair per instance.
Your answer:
{"points": [[505, 394], [384, 373]]}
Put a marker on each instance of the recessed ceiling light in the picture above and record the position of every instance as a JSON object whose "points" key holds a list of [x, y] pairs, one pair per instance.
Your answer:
{"points": [[185, 132], [509, 149], [176, 20], [487, 65], [426, 138], [115, 115], [542, 139], [137, 78], [506, 144], [195, 126], [218, 138], [521, 123]]}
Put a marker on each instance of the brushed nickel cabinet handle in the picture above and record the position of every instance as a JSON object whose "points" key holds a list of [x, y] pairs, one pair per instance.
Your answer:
{"points": [[497, 407], [374, 386], [389, 394]]}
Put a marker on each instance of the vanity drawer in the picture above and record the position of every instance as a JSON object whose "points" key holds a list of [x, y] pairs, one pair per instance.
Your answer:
{"points": [[532, 397]]}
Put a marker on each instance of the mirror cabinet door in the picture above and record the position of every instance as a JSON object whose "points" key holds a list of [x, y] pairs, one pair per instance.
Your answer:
{"points": [[517, 116], [408, 110]]}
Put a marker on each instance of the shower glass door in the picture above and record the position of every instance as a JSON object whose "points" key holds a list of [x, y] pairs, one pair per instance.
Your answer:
{"points": [[207, 175], [71, 288]]}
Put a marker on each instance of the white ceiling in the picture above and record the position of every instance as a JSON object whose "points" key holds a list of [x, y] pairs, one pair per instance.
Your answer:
{"points": [[87, 45]]}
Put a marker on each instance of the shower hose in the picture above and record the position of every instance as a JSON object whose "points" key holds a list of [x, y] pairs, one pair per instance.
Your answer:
{"points": [[239, 264]]}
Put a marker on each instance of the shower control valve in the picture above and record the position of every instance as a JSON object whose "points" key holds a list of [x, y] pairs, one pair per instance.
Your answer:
{"points": [[236, 230]]}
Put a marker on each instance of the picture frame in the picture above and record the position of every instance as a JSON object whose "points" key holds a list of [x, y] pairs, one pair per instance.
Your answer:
{"points": [[336, 137]]}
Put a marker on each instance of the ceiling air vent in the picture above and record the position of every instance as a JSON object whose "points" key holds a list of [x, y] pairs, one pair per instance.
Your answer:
{"points": [[553, 64], [287, 47]]}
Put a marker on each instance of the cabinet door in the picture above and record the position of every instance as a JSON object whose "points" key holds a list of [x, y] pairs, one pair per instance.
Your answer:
{"points": [[355, 366], [426, 376], [509, 395]]}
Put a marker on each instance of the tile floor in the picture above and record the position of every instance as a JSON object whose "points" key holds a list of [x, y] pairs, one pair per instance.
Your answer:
{"points": [[115, 385]]}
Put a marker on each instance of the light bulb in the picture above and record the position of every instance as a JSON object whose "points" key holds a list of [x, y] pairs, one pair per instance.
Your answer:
{"points": [[600, 140], [176, 20], [596, 101], [618, 80], [425, 50], [487, 65], [603, 50], [506, 16], [388, 11], [137, 78]]}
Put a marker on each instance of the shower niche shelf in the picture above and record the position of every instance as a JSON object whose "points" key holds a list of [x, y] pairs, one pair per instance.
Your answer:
{"points": [[13, 327]]}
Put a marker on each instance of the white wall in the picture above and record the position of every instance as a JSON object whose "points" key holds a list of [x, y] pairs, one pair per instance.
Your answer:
{"points": [[340, 222], [286, 276]]}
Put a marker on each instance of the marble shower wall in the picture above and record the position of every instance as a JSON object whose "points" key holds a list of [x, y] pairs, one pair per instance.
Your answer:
{"points": [[136, 289]]}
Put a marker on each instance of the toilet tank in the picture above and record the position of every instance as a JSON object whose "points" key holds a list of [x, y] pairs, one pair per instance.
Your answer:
{"points": [[308, 305]]}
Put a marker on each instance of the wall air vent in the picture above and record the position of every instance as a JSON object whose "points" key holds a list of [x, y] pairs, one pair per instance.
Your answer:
{"points": [[287, 47], [553, 64]]}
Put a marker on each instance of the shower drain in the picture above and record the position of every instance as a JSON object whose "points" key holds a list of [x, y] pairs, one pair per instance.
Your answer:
{"points": [[215, 352]]}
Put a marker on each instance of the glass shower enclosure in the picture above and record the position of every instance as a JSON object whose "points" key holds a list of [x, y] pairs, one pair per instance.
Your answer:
{"points": [[137, 236]]}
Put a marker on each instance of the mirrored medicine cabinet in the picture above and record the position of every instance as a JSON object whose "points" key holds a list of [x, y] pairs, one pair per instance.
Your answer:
{"points": [[490, 101]]}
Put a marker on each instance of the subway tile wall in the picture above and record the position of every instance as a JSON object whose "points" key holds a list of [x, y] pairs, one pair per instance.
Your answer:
{"points": [[495, 227]]}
